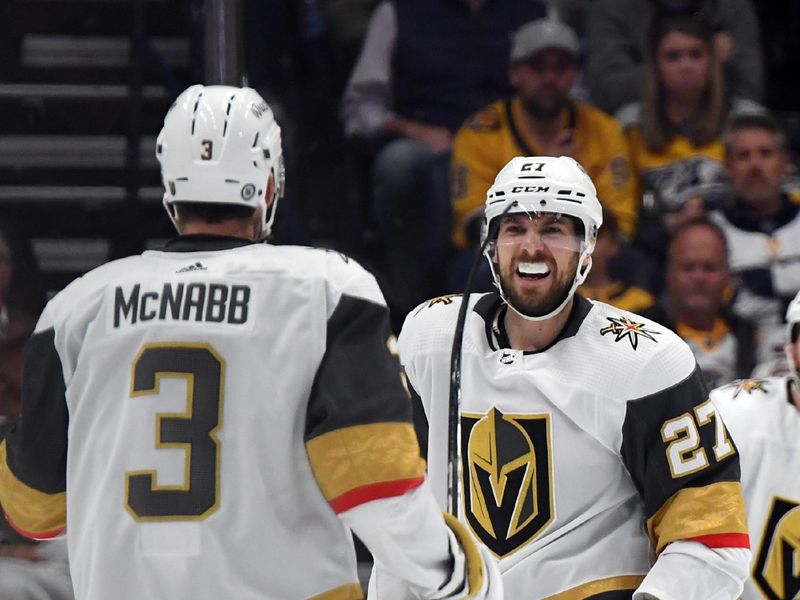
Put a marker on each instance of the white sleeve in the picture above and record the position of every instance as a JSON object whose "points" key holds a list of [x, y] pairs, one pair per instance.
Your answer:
{"points": [[693, 571], [366, 102], [407, 535]]}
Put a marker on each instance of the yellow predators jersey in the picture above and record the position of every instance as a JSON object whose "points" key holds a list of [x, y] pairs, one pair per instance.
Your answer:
{"points": [[765, 427], [496, 134], [583, 462]]}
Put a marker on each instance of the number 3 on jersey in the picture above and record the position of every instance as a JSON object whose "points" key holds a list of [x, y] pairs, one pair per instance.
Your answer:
{"points": [[684, 453], [194, 431]]}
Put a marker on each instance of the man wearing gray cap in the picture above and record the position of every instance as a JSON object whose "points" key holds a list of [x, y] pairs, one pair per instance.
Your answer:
{"points": [[540, 119]]}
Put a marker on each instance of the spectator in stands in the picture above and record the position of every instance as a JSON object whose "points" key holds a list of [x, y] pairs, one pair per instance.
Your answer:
{"points": [[610, 285], [675, 132], [424, 67], [763, 223], [699, 288], [540, 119], [617, 42]]}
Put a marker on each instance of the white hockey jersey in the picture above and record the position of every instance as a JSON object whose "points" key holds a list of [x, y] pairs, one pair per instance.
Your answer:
{"points": [[209, 411], [765, 426], [581, 462]]}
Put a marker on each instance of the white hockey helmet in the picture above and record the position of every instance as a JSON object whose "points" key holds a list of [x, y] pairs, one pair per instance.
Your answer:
{"points": [[792, 330], [536, 185], [219, 145]]}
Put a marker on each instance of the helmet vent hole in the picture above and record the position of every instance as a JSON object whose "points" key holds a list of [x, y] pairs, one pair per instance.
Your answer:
{"points": [[225, 128], [255, 164], [255, 140], [542, 202], [564, 192]]}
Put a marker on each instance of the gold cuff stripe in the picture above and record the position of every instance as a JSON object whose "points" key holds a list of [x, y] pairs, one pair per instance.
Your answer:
{"points": [[696, 512], [351, 591], [32, 512], [475, 572], [611, 584], [363, 455]]}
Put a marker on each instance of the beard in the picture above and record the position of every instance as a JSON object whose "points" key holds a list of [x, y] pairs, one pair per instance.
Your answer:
{"points": [[545, 110], [535, 303]]}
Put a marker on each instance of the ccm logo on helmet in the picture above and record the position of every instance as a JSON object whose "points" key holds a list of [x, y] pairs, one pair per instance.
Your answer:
{"points": [[529, 188]]}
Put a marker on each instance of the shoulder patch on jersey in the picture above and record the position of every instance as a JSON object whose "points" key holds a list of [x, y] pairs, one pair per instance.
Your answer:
{"points": [[748, 386], [443, 300], [625, 328], [486, 120]]}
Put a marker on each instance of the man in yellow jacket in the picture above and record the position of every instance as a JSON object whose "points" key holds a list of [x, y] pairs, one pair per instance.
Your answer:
{"points": [[541, 119]]}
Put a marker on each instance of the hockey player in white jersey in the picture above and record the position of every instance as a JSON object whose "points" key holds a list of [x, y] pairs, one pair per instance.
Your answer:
{"points": [[763, 417], [593, 463], [210, 421]]}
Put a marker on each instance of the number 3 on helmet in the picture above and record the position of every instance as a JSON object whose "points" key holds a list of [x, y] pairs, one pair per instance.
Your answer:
{"points": [[220, 144]]}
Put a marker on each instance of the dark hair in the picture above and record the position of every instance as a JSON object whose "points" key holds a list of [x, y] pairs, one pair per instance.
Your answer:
{"points": [[691, 224], [214, 213], [742, 121], [656, 126]]}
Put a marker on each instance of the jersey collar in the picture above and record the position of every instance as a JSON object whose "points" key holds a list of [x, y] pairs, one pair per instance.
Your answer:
{"points": [[204, 243]]}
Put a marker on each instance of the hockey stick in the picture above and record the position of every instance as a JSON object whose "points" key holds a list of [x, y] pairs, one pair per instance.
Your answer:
{"points": [[454, 399]]}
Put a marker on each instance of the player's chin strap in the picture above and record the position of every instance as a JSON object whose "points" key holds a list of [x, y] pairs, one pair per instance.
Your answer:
{"points": [[580, 277], [454, 407]]}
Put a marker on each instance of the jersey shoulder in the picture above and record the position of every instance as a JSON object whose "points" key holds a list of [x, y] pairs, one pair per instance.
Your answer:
{"points": [[653, 357], [430, 326], [750, 395], [341, 274]]}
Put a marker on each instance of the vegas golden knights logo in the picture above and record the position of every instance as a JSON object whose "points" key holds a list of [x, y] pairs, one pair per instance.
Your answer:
{"points": [[777, 564], [507, 475]]}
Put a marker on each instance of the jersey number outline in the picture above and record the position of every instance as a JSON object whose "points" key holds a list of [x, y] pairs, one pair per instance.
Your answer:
{"points": [[684, 454], [194, 430]]}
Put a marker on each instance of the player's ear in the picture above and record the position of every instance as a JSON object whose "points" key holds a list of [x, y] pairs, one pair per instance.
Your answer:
{"points": [[269, 194]]}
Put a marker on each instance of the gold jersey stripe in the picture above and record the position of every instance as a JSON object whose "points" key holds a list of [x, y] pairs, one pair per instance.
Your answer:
{"points": [[363, 455], [610, 584], [351, 591], [32, 512], [717, 508]]}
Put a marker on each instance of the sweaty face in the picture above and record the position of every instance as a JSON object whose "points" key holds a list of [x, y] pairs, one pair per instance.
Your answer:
{"points": [[536, 259], [756, 165], [544, 81], [684, 66], [697, 274]]}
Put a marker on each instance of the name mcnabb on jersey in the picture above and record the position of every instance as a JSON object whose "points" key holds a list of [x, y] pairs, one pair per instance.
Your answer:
{"points": [[196, 301]]}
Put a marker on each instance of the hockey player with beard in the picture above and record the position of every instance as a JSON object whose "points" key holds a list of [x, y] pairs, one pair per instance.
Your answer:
{"points": [[763, 417], [132, 367], [593, 464]]}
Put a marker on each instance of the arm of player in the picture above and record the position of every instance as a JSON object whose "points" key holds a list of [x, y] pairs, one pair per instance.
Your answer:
{"points": [[364, 454], [419, 554], [686, 469], [33, 454]]}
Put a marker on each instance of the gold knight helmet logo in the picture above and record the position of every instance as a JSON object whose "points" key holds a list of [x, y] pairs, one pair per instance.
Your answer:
{"points": [[777, 563], [507, 478]]}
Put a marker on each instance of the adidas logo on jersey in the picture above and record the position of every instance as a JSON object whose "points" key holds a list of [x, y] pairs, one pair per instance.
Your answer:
{"points": [[195, 267]]}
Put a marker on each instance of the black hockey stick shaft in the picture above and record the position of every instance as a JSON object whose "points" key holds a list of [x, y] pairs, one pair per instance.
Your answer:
{"points": [[454, 406]]}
